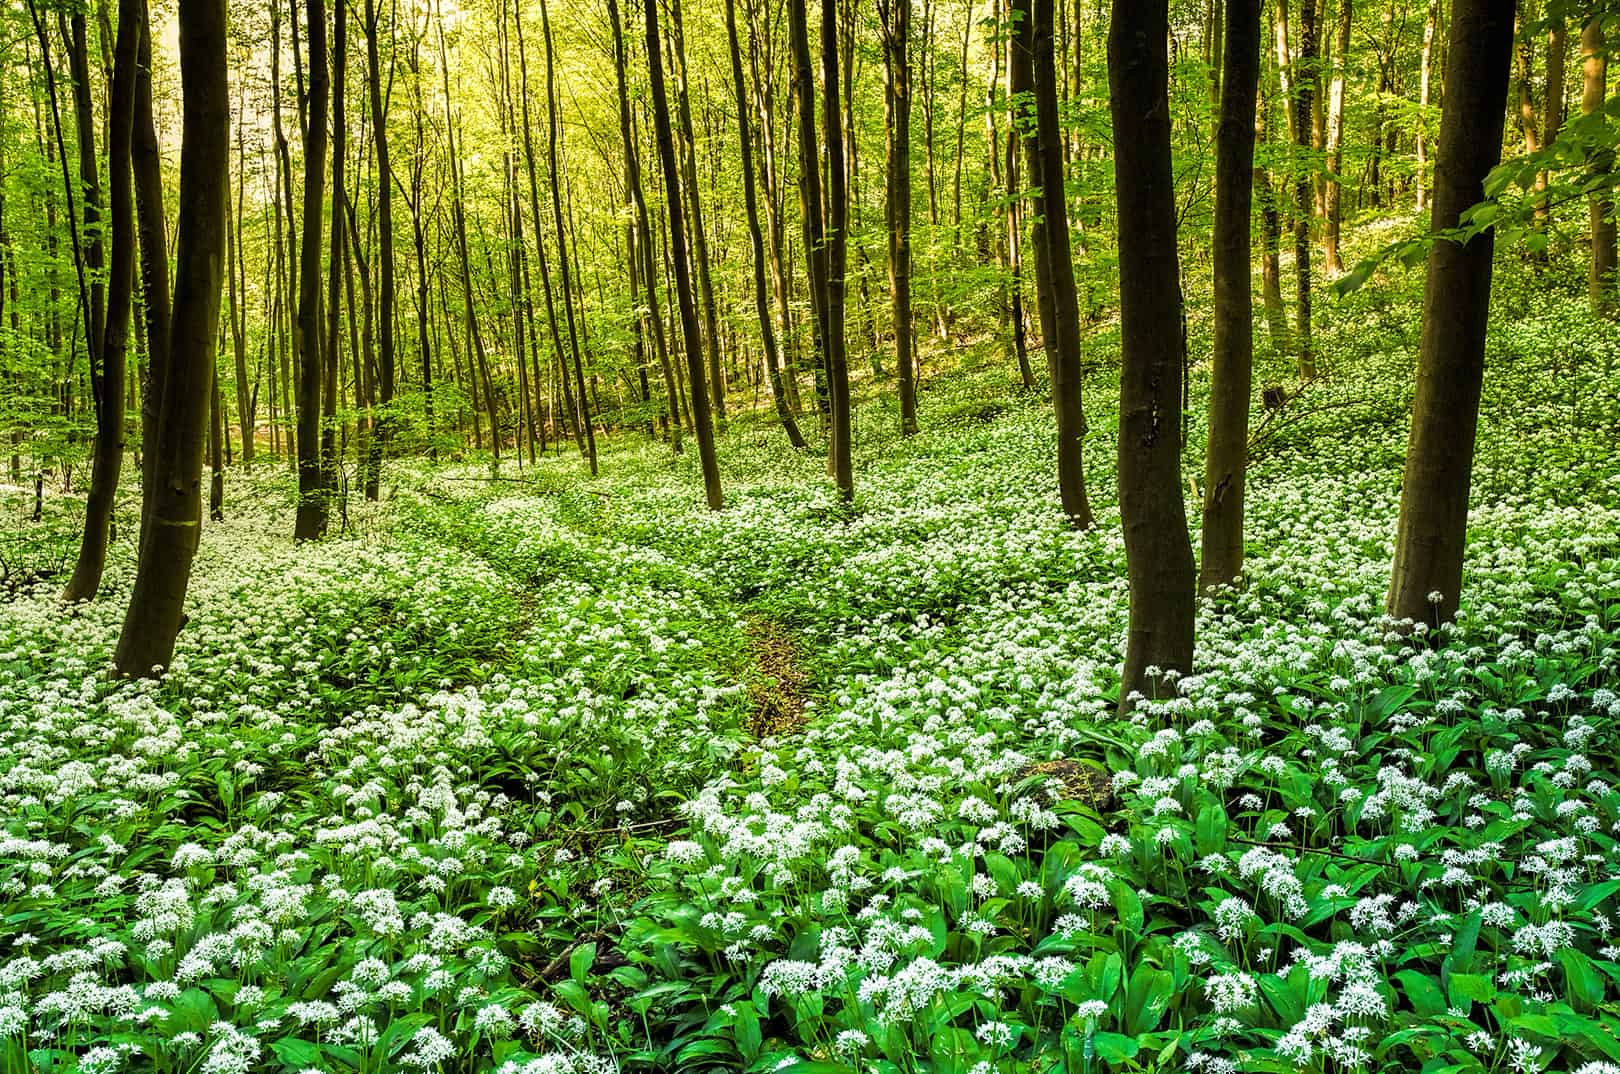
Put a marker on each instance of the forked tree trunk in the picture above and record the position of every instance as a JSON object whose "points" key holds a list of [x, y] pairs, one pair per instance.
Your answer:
{"points": [[1158, 552], [683, 279], [156, 605], [1426, 579], [1226, 459]]}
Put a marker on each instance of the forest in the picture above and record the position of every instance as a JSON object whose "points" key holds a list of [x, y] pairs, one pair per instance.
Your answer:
{"points": [[819, 536]]}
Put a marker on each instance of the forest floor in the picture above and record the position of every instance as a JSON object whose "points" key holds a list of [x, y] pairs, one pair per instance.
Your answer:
{"points": [[552, 774]]}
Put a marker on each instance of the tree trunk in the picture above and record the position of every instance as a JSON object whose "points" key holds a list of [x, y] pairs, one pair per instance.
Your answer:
{"points": [[1552, 109], [1226, 459], [554, 126], [385, 254], [216, 461], [1158, 552], [683, 281], [1600, 204], [1333, 195], [1271, 299], [1018, 78], [837, 253], [107, 382], [311, 520], [156, 604], [1427, 575], [146, 164], [1431, 26], [762, 299], [331, 351], [896, 19], [1304, 94]]}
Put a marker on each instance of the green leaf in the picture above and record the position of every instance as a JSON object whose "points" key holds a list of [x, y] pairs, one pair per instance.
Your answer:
{"points": [[296, 1053], [1114, 1047], [580, 962], [1422, 992], [1583, 983]]}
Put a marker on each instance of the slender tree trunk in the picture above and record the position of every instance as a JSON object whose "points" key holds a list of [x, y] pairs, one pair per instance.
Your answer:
{"points": [[1426, 578], [762, 299], [216, 461], [146, 163], [1304, 96], [1158, 552], [312, 506], [896, 18], [236, 278], [156, 604], [385, 253], [1018, 80], [107, 382], [699, 235], [1600, 204], [1226, 459], [1271, 299], [837, 254], [1333, 194], [683, 283], [332, 349], [1552, 109], [1431, 27], [554, 126]]}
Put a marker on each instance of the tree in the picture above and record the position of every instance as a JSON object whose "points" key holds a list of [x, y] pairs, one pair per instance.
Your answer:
{"points": [[1054, 266], [156, 604], [701, 423], [762, 301], [1158, 552], [1304, 92], [306, 337], [837, 253], [1426, 579], [895, 16], [1333, 196], [1600, 203], [107, 380], [385, 249], [1226, 458]]}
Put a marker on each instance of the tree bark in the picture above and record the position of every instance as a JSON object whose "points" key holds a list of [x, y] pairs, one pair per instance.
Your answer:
{"points": [[1333, 195], [1226, 459], [1552, 108], [896, 19], [1600, 204], [156, 604], [1431, 26], [107, 382], [762, 299], [383, 431], [306, 339], [1158, 553], [837, 254], [683, 282], [1426, 578], [1304, 94]]}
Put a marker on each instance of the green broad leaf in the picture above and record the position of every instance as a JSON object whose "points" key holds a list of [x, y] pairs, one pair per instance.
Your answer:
{"points": [[1211, 830], [580, 962], [747, 1031], [1471, 987], [953, 1050], [1114, 1047], [296, 1053], [1422, 992], [1126, 903], [1583, 985]]}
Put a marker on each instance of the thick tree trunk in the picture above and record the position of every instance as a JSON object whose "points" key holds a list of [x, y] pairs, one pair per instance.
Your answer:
{"points": [[683, 282], [896, 18], [312, 506], [108, 381], [156, 605], [1226, 459], [1426, 579], [1158, 552]]}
